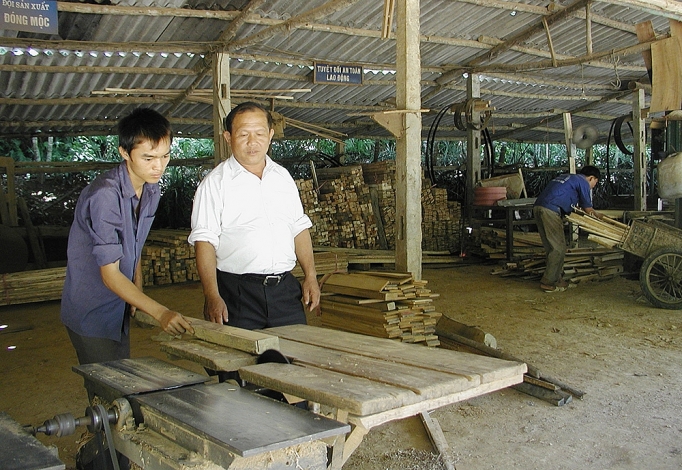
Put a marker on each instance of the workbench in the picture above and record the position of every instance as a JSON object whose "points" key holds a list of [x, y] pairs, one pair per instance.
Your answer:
{"points": [[363, 380], [490, 216]]}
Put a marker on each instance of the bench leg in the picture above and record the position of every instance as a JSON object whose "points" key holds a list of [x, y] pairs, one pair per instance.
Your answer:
{"points": [[438, 440]]}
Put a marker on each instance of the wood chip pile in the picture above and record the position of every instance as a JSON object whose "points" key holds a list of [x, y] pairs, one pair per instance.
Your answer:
{"points": [[386, 305]]}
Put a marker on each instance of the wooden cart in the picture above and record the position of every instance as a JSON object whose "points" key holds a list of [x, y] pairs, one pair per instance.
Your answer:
{"points": [[661, 274]]}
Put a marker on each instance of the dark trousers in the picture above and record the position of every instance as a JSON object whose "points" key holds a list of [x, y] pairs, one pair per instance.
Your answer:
{"points": [[91, 350], [252, 305]]}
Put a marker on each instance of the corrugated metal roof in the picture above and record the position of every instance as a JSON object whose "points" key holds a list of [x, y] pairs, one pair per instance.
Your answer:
{"points": [[58, 84]]}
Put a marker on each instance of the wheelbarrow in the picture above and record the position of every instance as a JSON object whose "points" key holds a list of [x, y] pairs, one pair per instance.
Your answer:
{"points": [[661, 274]]}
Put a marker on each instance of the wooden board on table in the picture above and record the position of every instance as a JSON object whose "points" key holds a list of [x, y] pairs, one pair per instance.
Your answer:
{"points": [[489, 369], [357, 395], [424, 382], [209, 355], [253, 342]]}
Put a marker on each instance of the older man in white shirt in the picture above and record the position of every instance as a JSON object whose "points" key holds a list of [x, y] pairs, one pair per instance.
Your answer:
{"points": [[249, 229]]}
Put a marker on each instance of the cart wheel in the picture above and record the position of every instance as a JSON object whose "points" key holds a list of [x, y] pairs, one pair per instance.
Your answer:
{"points": [[661, 278]]}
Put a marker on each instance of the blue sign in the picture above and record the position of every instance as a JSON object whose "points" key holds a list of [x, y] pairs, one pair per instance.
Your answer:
{"points": [[29, 15], [341, 74]]}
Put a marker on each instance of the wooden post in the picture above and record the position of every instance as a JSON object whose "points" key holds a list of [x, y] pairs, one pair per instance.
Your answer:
{"points": [[221, 104], [473, 145], [639, 155], [408, 253], [570, 146], [8, 164]]}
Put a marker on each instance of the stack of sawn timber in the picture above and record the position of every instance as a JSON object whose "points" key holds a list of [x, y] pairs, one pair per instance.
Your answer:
{"points": [[168, 258], [32, 286], [383, 304], [354, 207]]}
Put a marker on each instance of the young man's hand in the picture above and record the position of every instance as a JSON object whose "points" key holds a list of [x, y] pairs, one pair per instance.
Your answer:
{"points": [[175, 324]]}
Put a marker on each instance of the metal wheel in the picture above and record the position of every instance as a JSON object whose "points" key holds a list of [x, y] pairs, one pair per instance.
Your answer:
{"points": [[661, 278]]}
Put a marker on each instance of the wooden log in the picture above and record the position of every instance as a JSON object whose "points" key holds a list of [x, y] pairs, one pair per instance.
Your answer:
{"points": [[447, 325]]}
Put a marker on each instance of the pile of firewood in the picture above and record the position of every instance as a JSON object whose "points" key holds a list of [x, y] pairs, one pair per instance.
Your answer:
{"points": [[382, 304]]}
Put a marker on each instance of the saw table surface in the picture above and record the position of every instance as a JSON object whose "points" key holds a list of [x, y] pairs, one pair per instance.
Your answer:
{"points": [[242, 421], [124, 377]]}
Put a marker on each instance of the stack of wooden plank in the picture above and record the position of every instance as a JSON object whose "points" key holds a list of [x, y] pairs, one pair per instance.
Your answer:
{"points": [[32, 286], [382, 304], [380, 178], [168, 258], [343, 191], [580, 265], [320, 217], [440, 219]]}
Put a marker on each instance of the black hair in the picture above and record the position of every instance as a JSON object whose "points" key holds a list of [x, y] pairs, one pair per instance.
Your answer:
{"points": [[590, 170], [143, 124], [243, 108]]}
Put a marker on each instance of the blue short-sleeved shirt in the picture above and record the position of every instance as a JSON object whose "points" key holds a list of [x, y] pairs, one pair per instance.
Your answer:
{"points": [[564, 192], [105, 229]]}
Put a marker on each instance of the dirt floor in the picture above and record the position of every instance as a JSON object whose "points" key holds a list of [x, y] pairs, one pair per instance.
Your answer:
{"points": [[602, 337]]}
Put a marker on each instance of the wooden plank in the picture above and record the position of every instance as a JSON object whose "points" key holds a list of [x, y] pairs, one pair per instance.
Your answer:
{"points": [[254, 342], [667, 69], [208, 355], [359, 281], [424, 382], [238, 338], [357, 395], [368, 422], [469, 365], [357, 292], [377, 304]]}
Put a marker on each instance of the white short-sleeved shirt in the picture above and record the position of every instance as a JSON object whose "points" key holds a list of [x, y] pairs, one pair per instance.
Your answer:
{"points": [[250, 221]]}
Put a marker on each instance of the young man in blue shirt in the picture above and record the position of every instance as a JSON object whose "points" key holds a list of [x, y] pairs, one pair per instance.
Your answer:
{"points": [[113, 216], [559, 198]]}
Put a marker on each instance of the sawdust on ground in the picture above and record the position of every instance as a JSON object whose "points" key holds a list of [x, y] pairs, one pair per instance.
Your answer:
{"points": [[601, 337]]}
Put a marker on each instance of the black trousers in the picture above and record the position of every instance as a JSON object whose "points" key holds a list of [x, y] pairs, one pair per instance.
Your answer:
{"points": [[252, 304]]}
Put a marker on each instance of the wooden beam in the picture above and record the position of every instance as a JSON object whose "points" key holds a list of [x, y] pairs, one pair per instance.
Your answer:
{"points": [[549, 41], [667, 8], [588, 29], [291, 24], [222, 104]]}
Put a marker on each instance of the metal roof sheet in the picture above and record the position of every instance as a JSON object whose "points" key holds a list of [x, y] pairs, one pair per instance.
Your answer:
{"points": [[58, 84]]}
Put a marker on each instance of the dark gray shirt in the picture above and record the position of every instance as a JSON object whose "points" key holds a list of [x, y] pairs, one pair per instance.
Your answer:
{"points": [[105, 229]]}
